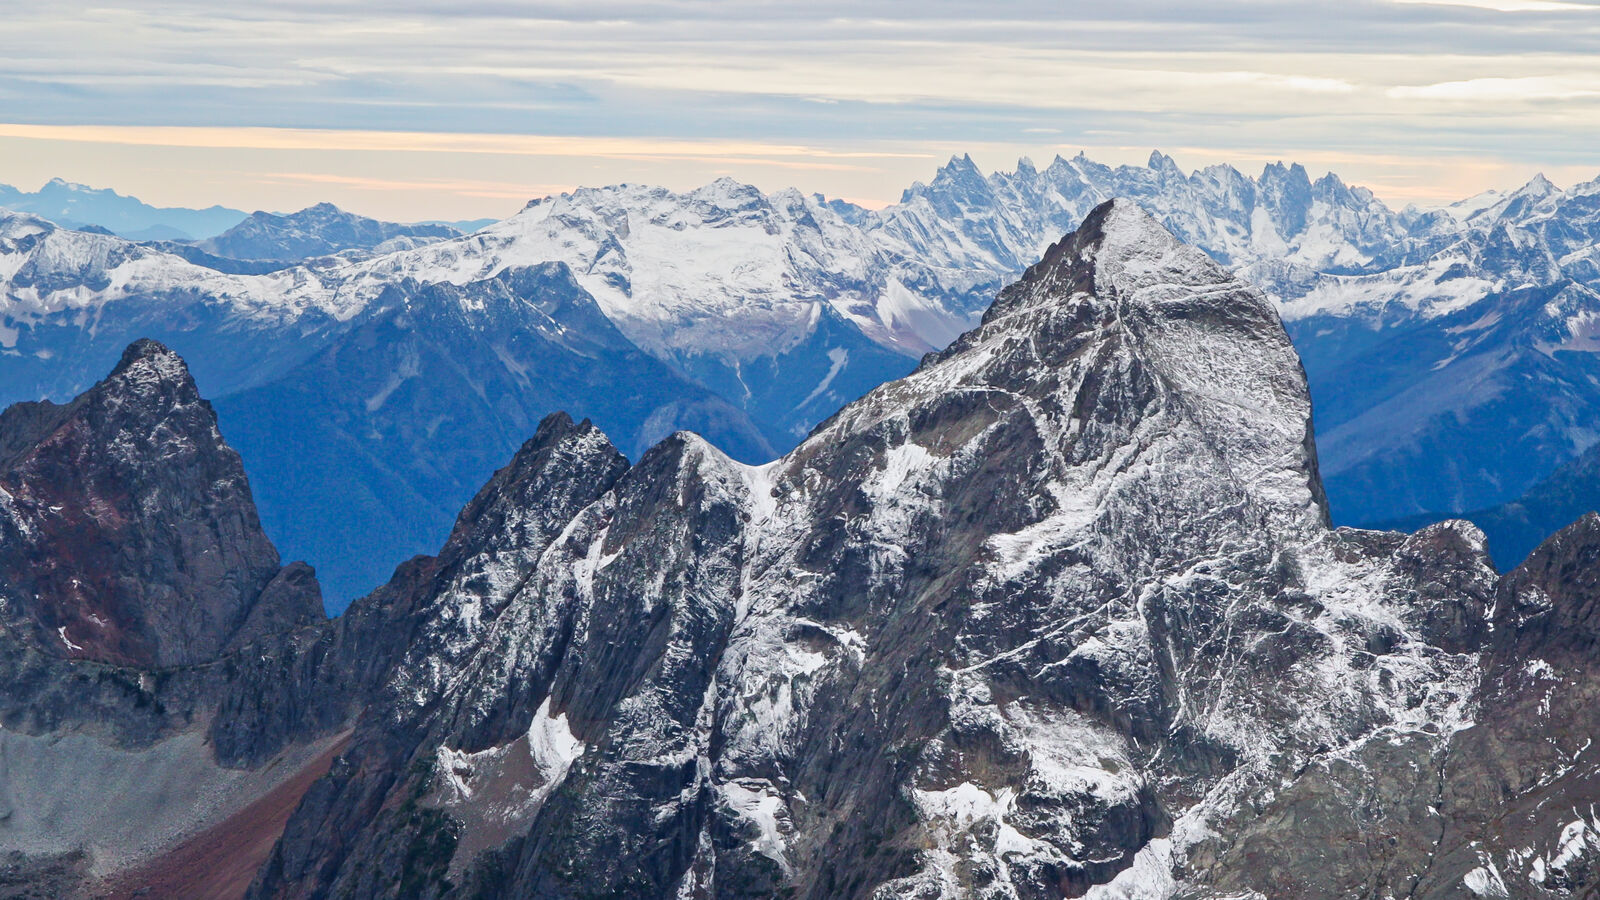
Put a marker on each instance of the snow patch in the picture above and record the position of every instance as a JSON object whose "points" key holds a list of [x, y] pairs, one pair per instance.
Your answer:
{"points": [[837, 357], [900, 465], [762, 807], [1485, 881]]}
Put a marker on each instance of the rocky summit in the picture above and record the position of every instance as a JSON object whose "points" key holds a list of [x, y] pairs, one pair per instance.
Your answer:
{"points": [[1060, 614], [127, 530]]}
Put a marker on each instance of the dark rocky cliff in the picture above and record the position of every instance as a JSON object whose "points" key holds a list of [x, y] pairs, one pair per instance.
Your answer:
{"points": [[129, 534]]}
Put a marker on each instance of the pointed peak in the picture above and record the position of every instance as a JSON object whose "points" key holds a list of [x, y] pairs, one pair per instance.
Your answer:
{"points": [[1160, 162], [564, 466], [145, 360], [1117, 218], [1025, 166], [960, 165], [1120, 230], [1058, 165], [728, 193], [1538, 185], [144, 349], [726, 186], [1119, 237], [1276, 171]]}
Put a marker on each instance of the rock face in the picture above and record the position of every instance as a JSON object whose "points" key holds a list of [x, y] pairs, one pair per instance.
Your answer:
{"points": [[127, 530], [165, 675], [1060, 614], [1519, 787]]}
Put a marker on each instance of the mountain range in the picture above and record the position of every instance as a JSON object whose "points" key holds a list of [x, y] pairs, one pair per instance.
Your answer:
{"points": [[1058, 614], [1448, 350], [76, 206], [319, 230]]}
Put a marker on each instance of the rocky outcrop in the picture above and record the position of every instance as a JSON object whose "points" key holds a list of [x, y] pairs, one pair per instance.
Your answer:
{"points": [[1520, 787], [127, 530], [144, 610]]}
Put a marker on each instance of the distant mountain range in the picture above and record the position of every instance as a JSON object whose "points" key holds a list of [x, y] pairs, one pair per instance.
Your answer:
{"points": [[80, 206], [371, 386], [76, 205]]}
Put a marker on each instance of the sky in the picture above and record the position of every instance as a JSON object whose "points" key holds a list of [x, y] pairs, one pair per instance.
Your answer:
{"points": [[412, 110]]}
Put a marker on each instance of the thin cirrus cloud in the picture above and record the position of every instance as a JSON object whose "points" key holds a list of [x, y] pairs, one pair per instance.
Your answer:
{"points": [[1418, 98], [1512, 90], [1509, 5]]}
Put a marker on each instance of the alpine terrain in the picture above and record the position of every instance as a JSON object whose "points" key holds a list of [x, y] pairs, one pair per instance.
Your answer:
{"points": [[1058, 614], [1449, 351]]}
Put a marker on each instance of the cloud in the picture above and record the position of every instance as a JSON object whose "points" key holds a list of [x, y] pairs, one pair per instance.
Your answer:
{"points": [[751, 86], [1510, 5], [1481, 90], [751, 152]]}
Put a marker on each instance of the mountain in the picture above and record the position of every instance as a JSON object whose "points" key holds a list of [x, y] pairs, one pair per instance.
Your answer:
{"points": [[375, 441], [1448, 351], [1058, 614], [364, 430], [75, 205], [319, 230], [130, 536], [141, 602]]}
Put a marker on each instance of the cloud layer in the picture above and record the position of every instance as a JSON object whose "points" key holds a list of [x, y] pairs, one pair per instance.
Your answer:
{"points": [[1422, 99]]}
